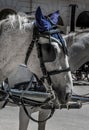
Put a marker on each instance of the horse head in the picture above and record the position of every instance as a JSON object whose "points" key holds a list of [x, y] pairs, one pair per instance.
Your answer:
{"points": [[56, 65], [52, 55]]}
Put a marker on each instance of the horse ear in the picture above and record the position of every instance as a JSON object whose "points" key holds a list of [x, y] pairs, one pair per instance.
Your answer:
{"points": [[54, 17], [38, 14], [41, 22]]}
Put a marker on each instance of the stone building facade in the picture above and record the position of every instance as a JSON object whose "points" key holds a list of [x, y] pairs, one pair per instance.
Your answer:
{"points": [[70, 10]]}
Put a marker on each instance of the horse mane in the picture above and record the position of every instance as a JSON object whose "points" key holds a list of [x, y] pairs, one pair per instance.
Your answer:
{"points": [[69, 38], [21, 19], [73, 37], [81, 31]]}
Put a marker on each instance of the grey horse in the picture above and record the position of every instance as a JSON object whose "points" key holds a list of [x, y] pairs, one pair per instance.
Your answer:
{"points": [[15, 36]]}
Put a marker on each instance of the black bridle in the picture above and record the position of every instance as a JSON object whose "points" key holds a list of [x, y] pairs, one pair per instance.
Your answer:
{"points": [[36, 36]]}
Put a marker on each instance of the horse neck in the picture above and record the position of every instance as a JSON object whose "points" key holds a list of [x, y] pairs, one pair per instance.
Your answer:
{"points": [[34, 63], [78, 52], [69, 39], [13, 47]]}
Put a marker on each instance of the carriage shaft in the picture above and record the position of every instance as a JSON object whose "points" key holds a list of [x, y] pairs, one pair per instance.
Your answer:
{"points": [[79, 98]]}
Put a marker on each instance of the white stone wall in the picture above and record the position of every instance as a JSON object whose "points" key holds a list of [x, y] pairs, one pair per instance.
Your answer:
{"points": [[17, 5]]}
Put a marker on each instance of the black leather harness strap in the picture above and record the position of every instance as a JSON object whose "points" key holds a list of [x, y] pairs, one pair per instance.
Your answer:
{"points": [[58, 71], [30, 48], [42, 65], [37, 121]]}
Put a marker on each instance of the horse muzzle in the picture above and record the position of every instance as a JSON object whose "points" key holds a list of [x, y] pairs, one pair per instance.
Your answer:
{"points": [[64, 97]]}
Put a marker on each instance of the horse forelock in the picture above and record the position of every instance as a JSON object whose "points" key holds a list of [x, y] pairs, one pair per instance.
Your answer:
{"points": [[23, 21]]}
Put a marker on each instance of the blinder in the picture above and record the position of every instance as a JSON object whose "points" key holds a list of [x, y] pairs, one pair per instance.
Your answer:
{"points": [[48, 52]]}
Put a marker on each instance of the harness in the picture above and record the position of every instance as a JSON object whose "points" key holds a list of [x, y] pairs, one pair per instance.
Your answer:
{"points": [[21, 100]]}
